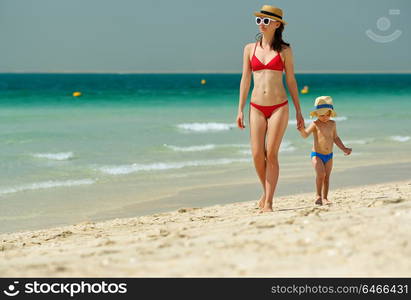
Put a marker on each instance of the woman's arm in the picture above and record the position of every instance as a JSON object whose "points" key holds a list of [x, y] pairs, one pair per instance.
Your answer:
{"points": [[306, 132], [245, 78], [292, 84]]}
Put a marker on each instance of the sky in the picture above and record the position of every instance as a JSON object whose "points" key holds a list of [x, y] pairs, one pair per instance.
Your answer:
{"points": [[190, 36]]}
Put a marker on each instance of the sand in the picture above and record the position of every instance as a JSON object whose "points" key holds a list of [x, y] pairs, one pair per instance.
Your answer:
{"points": [[366, 232]]}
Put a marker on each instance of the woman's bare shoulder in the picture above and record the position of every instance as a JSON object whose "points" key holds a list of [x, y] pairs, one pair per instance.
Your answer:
{"points": [[248, 49], [286, 49], [248, 46]]}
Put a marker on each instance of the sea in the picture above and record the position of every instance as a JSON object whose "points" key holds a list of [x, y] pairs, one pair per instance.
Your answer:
{"points": [[130, 141]]}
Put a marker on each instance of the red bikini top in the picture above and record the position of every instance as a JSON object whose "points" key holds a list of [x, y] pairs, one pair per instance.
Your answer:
{"points": [[275, 64]]}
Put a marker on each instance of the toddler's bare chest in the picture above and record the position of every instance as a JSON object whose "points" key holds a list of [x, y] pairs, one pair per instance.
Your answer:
{"points": [[325, 132]]}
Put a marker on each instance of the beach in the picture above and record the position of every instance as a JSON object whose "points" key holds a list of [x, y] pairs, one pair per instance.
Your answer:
{"points": [[142, 176], [365, 232]]}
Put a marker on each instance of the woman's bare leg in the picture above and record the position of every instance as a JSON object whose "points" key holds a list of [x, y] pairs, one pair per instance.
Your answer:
{"points": [[276, 126], [258, 128], [319, 179]]}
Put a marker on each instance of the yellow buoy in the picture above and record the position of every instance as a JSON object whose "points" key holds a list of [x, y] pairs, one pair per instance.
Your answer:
{"points": [[305, 90], [76, 94], [203, 81]]}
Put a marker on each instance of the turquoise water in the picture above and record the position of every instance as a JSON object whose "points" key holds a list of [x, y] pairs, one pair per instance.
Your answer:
{"points": [[130, 138]]}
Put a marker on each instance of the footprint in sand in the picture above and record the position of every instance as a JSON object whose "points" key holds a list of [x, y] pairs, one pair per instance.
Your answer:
{"points": [[380, 202], [268, 225], [202, 218], [107, 251], [63, 235], [106, 242], [314, 210], [187, 209]]}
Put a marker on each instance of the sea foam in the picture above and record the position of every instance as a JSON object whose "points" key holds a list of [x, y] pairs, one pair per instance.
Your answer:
{"points": [[133, 168], [191, 148], [205, 127], [359, 142], [399, 138], [54, 156], [206, 147], [44, 185], [285, 146], [343, 118]]}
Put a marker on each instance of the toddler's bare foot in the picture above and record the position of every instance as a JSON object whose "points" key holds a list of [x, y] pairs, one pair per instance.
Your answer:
{"points": [[261, 202], [319, 201], [326, 201]]}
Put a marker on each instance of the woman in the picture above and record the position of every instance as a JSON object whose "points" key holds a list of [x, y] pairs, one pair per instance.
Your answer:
{"points": [[268, 112]]}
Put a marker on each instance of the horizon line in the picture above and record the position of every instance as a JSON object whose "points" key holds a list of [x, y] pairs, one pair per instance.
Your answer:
{"points": [[198, 72]]}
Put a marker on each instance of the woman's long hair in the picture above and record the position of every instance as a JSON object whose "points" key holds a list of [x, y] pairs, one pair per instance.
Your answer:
{"points": [[278, 42]]}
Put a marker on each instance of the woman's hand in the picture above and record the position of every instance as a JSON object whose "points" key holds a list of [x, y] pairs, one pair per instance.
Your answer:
{"points": [[300, 121], [240, 120]]}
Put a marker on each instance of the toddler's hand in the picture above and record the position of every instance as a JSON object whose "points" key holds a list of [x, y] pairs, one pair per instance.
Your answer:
{"points": [[347, 151]]}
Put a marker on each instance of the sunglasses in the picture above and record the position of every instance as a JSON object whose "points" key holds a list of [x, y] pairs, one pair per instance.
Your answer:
{"points": [[265, 21]]}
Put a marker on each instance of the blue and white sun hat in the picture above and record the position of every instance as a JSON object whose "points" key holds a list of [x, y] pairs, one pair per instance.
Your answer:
{"points": [[322, 105]]}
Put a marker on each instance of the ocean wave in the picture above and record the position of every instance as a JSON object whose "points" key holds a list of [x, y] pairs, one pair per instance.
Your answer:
{"points": [[204, 147], [17, 141], [247, 152], [343, 118], [399, 138], [205, 127], [285, 146], [191, 148], [359, 142], [293, 122], [287, 149], [54, 156], [236, 145], [133, 168], [44, 185]]}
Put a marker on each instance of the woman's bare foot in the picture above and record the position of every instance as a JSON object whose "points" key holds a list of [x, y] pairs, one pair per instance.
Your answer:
{"points": [[268, 207], [326, 201], [319, 201], [261, 202]]}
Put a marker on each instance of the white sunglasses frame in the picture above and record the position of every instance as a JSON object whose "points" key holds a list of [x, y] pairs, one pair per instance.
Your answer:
{"points": [[262, 20]]}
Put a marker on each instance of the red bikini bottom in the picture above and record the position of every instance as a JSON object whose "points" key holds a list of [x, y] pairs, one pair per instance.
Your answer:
{"points": [[267, 110]]}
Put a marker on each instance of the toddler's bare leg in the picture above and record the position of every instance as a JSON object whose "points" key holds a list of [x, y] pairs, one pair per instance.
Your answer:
{"points": [[320, 175], [328, 167]]}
